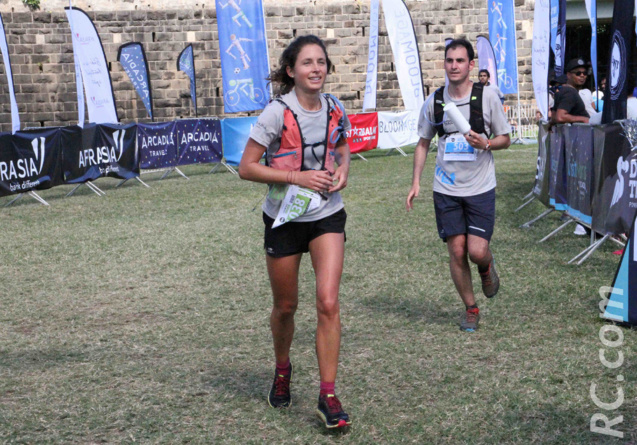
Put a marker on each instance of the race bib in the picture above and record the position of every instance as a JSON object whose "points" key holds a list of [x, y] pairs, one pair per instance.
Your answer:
{"points": [[297, 201], [458, 149]]}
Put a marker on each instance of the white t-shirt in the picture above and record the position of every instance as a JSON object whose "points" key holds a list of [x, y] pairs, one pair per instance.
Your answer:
{"points": [[587, 98], [631, 108], [267, 132], [464, 178]]}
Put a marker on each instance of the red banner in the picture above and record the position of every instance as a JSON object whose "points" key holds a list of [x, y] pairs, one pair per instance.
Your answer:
{"points": [[364, 133]]}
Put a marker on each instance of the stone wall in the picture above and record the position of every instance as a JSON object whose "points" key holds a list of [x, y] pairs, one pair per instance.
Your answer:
{"points": [[42, 57]]}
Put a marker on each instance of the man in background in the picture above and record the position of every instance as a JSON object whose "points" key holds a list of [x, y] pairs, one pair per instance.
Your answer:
{"points": [[569, 107], [484, 77]]}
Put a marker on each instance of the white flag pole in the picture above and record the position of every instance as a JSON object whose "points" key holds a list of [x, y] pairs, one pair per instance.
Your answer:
{"points": [[78, 73]]}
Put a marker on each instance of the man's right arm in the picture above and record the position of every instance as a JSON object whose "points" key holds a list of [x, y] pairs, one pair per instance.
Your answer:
{"points": [[564, 117], [420, 157]]}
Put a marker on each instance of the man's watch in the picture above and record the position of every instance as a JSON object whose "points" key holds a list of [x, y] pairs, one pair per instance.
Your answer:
{"points": [[488, 147]]}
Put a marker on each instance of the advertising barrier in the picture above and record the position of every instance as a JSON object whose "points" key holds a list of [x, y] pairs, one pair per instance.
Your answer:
{"points": [[30, 160]]}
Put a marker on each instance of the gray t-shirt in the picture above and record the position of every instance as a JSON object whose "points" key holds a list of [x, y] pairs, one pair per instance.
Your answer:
{"points": [[267, 132], [464, 178]]}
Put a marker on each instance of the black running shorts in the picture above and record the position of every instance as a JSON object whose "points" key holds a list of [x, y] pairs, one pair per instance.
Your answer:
{"points": [[456, 215], [294, 237]]}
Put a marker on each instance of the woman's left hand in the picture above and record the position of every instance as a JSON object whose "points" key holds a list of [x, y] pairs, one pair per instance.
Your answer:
{"points": [[340, 176]]}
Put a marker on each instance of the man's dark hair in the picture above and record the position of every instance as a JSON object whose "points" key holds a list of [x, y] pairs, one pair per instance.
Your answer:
{"points": [[461, 42], [485, 72]]}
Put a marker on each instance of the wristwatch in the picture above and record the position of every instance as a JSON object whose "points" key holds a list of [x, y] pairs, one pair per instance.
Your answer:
{"points": [[488, 147]]}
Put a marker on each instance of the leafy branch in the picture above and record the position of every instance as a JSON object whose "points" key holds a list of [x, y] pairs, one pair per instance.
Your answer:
{"points": [[32, 4]]}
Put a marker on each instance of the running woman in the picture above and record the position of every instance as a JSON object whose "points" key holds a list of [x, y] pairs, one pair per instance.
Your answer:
{"points": [[301, 133]]}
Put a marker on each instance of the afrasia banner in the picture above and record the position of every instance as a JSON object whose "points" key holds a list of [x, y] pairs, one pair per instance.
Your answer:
{"points": [[30, 160], [363, 136], [100, 150]]}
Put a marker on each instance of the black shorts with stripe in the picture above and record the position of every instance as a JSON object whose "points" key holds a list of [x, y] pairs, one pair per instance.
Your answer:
{"points": [[457, 215]]}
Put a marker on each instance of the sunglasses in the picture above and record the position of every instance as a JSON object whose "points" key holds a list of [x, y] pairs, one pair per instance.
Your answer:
{"points": [[579, 73]]}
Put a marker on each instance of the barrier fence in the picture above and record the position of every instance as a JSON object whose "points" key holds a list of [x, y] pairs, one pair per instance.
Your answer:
{"points": [[590, 174], [39, 159]]}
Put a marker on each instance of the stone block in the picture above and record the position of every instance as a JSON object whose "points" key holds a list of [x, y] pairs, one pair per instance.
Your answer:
{"points": [[42, 17]]}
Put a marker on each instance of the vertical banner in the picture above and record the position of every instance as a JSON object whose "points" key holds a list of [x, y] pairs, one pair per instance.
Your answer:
{"points": [[133, 58], [621, 33], [540, 53], [199, 141], [560, 39], [363, 136], [622, 302], [591, 10], [502, 36], [95, 75], [369, 100], [79, 84], [486, 59], [555, 12], [404, 46], [158, 145], [15, 117], [234, 134], [447, 42], [186, 63], [244, 55]]}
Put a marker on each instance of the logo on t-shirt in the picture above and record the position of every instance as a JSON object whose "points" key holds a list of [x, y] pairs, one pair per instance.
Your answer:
{"points": [[445, 177], [617, 66]]}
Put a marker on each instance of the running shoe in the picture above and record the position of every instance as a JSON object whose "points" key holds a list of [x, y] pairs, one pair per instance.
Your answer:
{"points": [[279, 396], [469, 320], [490, 280], [331, 412]]}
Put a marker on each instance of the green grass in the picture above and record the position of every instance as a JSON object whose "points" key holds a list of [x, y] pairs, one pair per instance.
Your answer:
{"points": [[142, 316]]}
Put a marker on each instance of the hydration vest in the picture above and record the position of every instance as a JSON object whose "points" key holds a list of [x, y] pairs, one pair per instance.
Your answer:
{"points": [[291, 153], [476, 119]]}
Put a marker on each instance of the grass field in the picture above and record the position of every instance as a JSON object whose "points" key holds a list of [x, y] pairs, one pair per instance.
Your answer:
{"points": [[142, 316]]}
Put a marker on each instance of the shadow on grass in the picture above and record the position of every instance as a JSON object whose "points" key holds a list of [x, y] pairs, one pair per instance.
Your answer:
{"points": [[245, 381], [417, 309], [40, 360]]}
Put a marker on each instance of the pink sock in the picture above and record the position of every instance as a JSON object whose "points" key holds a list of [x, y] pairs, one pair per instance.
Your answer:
{"points": [[327, 388], [283, 368]]}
